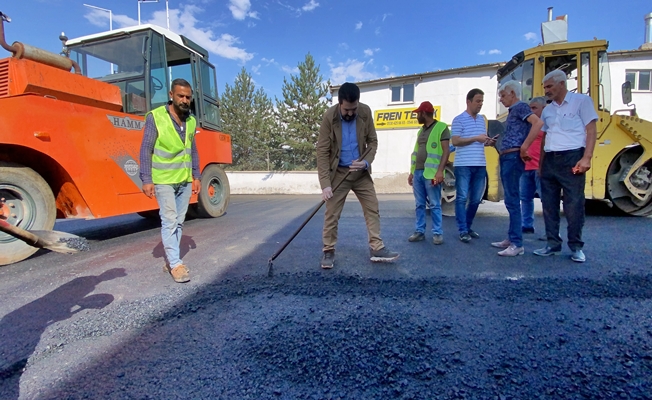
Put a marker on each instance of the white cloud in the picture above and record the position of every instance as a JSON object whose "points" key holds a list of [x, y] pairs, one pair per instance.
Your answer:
{"points": [[530, 37], [241, 9], [101, 18], [385, 16], [290, 70], [370, 52], [311, 5], [256, 69], [183, 22], [358, 26], [377, 31], [495, 51], [353, 69], [344, 46], [482, 53]]}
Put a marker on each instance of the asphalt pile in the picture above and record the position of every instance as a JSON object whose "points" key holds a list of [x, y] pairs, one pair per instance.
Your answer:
{"points": [[330, 336], [76, 243]]}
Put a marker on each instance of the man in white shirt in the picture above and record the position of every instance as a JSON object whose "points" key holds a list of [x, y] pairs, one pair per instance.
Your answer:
{"points": [[570, 135]]}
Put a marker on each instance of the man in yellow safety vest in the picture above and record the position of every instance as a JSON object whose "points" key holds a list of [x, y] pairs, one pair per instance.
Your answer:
{"points": [[429, 161], [169, 169]]}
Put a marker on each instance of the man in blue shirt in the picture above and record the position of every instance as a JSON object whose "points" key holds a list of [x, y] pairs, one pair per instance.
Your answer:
{"points": [[521, 129], [469, 136], [346, 131]]}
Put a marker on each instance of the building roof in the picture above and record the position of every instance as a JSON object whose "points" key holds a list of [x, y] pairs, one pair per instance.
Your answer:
{"points": [[635, 52], [424, 75]]}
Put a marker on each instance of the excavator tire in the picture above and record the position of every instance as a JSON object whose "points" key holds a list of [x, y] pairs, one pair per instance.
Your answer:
{"points": [[215, 192], [28, 204]]}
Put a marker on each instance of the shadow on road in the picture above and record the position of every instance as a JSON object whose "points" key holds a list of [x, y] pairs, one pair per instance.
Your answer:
{"points": [[22, 328], [187, 243]]}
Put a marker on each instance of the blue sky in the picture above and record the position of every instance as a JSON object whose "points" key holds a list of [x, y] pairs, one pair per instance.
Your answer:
{"points": [[351, 40]]}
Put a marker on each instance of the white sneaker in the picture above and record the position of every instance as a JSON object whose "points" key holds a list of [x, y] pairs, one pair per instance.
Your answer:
{"points": [[502, 245], [512, 251]]}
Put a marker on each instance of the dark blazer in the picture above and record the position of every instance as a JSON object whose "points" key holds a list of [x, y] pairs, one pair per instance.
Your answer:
{"points": [[329, 143]]}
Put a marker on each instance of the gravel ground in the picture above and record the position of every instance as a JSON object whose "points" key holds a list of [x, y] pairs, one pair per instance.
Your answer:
{"points": [[432, 325]]}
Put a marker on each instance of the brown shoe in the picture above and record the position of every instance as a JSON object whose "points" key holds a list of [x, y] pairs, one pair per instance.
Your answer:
{"points": [[179, 273]]}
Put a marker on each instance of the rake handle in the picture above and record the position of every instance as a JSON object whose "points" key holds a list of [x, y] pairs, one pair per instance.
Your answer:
{"points": [[279, 251], [21, 234]]}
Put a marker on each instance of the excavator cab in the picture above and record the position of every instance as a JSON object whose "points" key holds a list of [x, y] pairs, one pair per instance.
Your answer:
{"points": [[142, 61]]}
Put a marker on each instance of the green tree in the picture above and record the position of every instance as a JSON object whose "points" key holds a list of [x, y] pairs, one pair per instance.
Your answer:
{"points": [[301, 111], [248, 115]]}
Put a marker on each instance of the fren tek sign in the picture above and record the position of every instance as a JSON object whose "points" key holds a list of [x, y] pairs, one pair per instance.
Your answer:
{"points": [[399, 118]]}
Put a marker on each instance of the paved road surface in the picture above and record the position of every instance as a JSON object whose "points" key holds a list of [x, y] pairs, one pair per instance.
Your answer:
{"points": [[449, 321]]}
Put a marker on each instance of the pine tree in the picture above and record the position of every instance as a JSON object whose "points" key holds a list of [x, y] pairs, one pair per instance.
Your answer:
{"points": [[301, 110], [248, 115]]}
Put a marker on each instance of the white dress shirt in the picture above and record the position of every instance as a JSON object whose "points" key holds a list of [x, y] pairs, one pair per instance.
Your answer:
{"points": [[565, 123]]}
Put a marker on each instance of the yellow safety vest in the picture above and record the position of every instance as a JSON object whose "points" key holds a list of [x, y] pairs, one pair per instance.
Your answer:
{"points": [[433, 150], [172, 159]]}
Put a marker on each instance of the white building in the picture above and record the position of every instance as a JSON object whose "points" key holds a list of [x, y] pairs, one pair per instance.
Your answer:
{"points": [[636, 67]]}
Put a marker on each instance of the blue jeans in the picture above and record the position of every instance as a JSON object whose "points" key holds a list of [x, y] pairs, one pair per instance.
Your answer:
{"points": [[511, 169], [469, 187], [423, 187], [530, 184], [173, 203]]}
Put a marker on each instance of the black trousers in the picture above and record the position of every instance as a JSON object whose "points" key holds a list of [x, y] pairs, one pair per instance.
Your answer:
{"points": [[557, 177]]}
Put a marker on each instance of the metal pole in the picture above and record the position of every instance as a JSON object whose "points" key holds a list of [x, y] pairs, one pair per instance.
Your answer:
{"points": [[138, 12], [110, 21], [167, 12]]}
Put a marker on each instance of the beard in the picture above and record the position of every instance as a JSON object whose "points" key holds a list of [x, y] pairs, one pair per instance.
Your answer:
{"points": [[182, 108], [348, 118]]}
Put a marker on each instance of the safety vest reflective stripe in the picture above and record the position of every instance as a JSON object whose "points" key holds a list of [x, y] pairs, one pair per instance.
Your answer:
{"points": [[435, 156], [165, 154], [172, 166]]}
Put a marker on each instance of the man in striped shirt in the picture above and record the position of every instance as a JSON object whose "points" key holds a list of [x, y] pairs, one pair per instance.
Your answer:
{"points": [[469, 136]]}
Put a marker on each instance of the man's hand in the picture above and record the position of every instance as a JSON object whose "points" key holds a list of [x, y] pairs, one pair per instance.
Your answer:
{"points": [[524, 154], [196, 186], [358, 166], [326, 194], [410, 179], [490, 141], [148, 189], [482, 138], [439, 178], [583, 165]]}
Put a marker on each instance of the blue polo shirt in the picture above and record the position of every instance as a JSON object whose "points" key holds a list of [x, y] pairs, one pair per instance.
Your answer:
{"points": [[465, 126]]}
